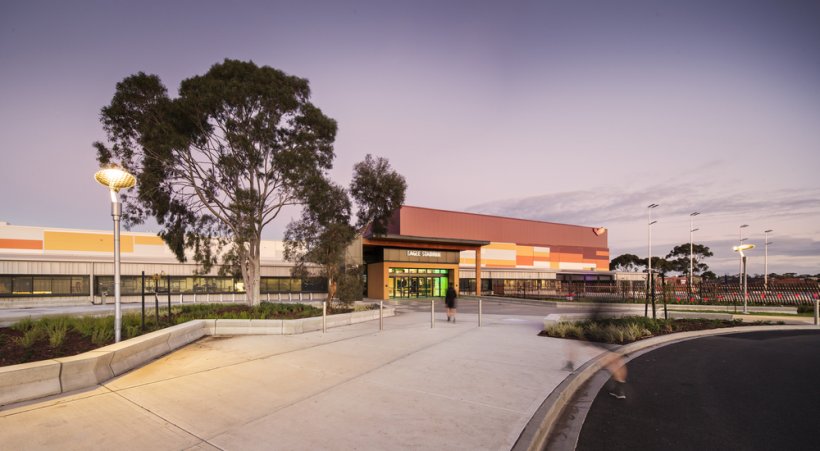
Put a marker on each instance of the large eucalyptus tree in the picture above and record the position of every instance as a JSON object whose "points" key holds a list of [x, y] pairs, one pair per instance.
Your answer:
{"points": [[217, 163]]}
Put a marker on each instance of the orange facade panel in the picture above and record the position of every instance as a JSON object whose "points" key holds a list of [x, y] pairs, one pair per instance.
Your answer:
{"points": [[566, 257], [6, 243], [524, 260], [85, 242], [148, 240], [498, 263]]}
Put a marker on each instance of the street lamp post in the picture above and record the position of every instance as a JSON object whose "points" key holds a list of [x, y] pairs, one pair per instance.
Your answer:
{"points": [[740, 249], [766, 244], [740, 270], [692, 230], [650, 279], [115, 178]]}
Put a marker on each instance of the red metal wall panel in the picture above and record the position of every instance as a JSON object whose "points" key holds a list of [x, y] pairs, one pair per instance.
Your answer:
{"points": [[416, 221]]}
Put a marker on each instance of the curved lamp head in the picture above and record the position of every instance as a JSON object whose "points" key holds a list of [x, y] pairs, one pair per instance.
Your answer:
{"points": [[114, 177], [743, 247]]}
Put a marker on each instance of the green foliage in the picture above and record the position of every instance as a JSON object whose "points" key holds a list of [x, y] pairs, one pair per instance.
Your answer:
{"points": [[23, 325], [217, 163], [378, 191], [351, 286], [566, 329], [100, 330], [627, 262], [56, 328], [324, 233], [31, 336], [629, 329], [84, 325], [102, 334], [131, 331], [678, 258]]}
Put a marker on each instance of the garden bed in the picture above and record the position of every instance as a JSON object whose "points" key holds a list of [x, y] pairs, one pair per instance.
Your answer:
{"points": [[64, 336], [634, 328]]}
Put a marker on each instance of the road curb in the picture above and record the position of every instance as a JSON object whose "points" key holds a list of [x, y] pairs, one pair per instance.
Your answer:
{"points": [[535, 435]]}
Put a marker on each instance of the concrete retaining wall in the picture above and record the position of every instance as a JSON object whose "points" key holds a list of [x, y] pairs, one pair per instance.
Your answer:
{"points": [[35, 380]]}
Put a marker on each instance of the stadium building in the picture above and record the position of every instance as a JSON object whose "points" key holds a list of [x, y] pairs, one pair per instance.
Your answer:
{"points": [[423, 252]]}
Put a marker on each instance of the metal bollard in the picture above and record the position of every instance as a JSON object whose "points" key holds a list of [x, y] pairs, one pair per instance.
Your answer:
{"points": [[324, 316], [180, 298], [479, 313], [817, 312], [432, 313], [381, 315]]}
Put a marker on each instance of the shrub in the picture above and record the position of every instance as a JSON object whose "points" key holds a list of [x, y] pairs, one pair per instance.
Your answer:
{"points": [[132, 330], [84, 325], [103, 333], [805, 308], [23, 325], [349, 288], [56, 328], [566, 330], [629, 329], [30, 337], [634, 332]]}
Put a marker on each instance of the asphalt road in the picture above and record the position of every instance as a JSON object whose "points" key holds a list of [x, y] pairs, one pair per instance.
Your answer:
{"points": [[752, 391]]}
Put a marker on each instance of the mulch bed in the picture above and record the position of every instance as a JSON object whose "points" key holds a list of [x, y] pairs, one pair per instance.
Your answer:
{"points": [[11, 353]]}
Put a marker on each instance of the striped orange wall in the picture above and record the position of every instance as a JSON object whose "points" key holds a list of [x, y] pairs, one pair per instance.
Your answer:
{"points": [[21, 244], [500, 255]]}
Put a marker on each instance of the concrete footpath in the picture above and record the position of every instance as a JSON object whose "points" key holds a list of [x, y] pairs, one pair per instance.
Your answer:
{"points": [[454, 386]]}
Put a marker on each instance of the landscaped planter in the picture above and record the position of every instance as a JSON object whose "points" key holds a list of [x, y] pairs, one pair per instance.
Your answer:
{"points": [[35, 380]]}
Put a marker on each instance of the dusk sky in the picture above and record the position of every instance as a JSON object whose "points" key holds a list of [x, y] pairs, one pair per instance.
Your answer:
{"points": [[579, 112]]}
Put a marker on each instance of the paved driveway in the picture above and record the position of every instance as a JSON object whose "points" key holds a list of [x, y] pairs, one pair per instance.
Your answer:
{"points": [[454, 386], [748, 391]]}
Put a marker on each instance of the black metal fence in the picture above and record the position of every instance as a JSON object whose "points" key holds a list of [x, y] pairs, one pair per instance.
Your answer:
{"points": [[705, 293]]}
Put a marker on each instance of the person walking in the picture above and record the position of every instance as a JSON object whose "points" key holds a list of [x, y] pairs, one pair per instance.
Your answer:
{"points": [[450, 300]]}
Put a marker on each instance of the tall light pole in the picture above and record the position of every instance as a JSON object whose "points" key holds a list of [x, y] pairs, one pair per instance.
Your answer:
{"points": [[650, 279], [740, 270], [692, 230], [739, 250], [766, 244], [115, 178]]}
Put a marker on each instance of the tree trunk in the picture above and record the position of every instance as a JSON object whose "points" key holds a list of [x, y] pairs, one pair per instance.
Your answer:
{"points": [[331, 289], [251, 273]]}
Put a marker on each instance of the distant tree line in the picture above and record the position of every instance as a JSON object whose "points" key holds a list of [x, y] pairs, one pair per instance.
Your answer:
{"points": [[676, 262]]}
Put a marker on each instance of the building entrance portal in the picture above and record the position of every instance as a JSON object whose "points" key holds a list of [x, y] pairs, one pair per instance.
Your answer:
{"points": [[420, 283]]}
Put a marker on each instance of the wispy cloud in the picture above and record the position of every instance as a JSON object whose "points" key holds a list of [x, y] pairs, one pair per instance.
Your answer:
{"points": [[611, 205], [623, 211]]}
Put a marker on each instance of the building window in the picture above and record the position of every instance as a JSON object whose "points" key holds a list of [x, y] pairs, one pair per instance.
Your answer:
{"points": [[5, 285], [43, 285]]}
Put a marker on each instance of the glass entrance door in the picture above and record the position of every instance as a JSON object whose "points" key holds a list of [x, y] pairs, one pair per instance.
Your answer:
{"points": [[409, 286]]}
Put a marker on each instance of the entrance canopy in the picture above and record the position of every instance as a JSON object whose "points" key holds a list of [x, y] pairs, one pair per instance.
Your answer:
{"points": [[400, 266]]}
